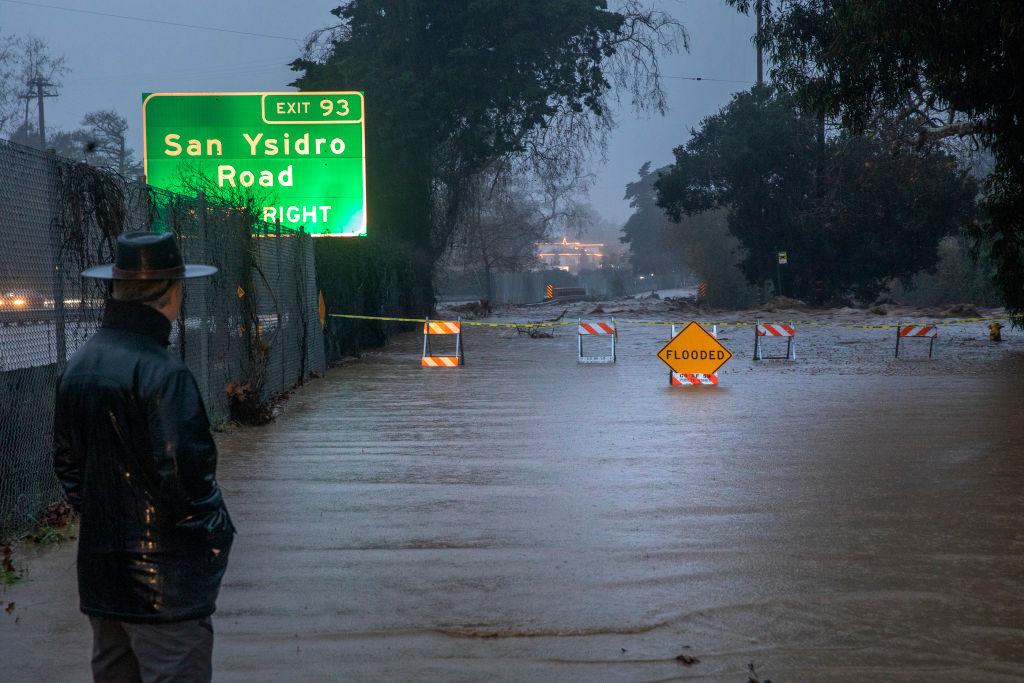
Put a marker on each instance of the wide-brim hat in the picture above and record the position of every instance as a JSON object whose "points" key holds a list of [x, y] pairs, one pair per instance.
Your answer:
{"points": [[148, 256]]}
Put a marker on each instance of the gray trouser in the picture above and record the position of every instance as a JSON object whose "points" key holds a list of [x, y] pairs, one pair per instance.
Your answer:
{"points": [[153, 653]]}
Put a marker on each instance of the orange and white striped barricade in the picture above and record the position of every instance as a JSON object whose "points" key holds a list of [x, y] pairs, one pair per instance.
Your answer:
{"points": [[435, 327], [686, 379], [929, 332], [762, 330], [692, 379], [586, 329]]}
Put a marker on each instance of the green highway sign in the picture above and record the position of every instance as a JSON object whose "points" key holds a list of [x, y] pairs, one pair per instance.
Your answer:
{"points": [[303, 152]]}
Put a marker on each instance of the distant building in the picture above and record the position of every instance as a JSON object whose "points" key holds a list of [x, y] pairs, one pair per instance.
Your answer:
{"points": [[572, 257]]}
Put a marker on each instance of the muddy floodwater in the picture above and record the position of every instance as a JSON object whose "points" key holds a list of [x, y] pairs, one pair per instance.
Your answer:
{"points": [[845, 517]]}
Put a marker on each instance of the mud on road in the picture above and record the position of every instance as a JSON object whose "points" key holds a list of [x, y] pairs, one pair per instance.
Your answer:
{"points": [[843, 517]]}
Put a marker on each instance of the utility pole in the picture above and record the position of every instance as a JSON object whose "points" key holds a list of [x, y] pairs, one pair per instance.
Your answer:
{"points": [[60, 332], [757, 42], [40, 95], [760, 82]]}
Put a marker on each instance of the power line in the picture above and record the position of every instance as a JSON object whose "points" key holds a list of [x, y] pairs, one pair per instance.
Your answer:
{"points": [[150, 21], [223, 70], [705, 78]]}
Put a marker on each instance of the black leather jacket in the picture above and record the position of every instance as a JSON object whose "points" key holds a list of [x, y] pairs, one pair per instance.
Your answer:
{"points": [[134, 454]]}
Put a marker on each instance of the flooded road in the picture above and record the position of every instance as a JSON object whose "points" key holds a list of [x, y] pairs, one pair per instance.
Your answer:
{"points": [[843, 517]]}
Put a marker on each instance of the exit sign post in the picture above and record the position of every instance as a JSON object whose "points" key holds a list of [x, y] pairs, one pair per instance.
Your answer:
{"points": [[302, 153]]}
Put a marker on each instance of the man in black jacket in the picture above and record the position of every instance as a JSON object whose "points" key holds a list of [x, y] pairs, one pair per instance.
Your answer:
{"points": [[134, 454]]}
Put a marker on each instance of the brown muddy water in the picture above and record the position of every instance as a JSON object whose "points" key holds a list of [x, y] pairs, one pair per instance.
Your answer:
{"points": [[846, 517]]}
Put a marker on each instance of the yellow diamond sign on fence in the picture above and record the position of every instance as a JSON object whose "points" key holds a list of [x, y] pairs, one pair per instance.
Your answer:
{"points": [[694, 351]]}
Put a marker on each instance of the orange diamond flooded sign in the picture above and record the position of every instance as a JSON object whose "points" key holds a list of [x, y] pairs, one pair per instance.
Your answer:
{"points": [[694, 351]]}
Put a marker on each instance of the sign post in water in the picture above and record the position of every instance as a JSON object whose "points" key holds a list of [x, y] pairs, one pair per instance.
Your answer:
{"points": [[301, 154]]}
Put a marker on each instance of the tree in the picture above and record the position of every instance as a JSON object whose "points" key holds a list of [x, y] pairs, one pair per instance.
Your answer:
{"points": [[9, 89], [106, 131], [962, 275], [648, 230], [70, 144], [101, 142], [499, 230], [850, 214], [24, 62], [452, 88], [919, 73], [65, 144], [700, 244], [713, 254], [509, 212]]}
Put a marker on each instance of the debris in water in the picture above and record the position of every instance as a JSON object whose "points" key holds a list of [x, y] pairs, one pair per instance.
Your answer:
{"points": [[681, 303], [474, 309], [963, 310], [534, 332], [753, 675], [779, 302], [687, 660], [562, 315]]}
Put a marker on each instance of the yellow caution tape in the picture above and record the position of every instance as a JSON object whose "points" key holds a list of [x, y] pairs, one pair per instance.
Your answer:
{"points": [[670, 322], [664, 322], [377, 317], [464, 322]]}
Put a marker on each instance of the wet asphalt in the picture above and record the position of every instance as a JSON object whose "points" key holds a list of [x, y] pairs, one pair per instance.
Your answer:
{"points": [[843, 517]]}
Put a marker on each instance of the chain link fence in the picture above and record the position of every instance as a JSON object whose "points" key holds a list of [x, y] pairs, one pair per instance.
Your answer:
{"points": [[249, 333], [369, 276]]}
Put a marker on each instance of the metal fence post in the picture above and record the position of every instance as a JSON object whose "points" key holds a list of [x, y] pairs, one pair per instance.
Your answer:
{"points": [[207, 289], [57, 273], [301, 277], [278, 254]]}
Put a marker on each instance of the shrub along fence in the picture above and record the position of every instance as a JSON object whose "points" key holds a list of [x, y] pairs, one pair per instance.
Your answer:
{"points": [[249, 333], [369, 276]]}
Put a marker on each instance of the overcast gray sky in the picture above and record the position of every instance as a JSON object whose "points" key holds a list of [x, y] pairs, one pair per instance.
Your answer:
{"points": [[114, 60]]}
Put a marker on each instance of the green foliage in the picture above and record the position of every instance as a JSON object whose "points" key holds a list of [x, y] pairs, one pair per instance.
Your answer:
{"points": [[9, 574], [923, 74], [9, 577], [714, 255], [55, 525], [453, 87], [45, 534], [961, 276], [369, 276], [450, 87], [648, 231], [700, 243], [850, 214], [616, 284]]}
